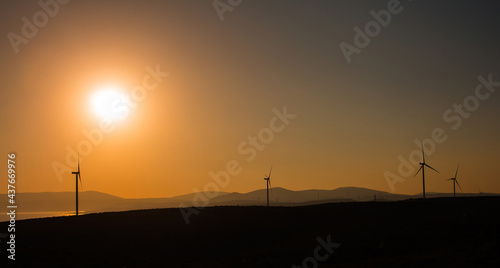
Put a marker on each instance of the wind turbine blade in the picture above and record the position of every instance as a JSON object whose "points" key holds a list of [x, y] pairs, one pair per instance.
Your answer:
{"points": [[423, 153], [418, 170], [457, 171], [80, 177], [458, 185], [431, 167], [270, 171], [78, 162]]}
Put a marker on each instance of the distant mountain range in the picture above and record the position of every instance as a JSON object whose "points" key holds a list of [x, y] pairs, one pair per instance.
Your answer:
{"points": [[32, 204]]}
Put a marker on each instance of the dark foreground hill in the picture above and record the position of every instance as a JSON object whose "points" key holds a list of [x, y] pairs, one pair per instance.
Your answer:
{"points": [[441, 232]]}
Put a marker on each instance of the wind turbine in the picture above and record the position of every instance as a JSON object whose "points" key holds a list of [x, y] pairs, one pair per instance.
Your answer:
{"points": [[268, 183], [454, 179], [77, 176], [422, 167]]}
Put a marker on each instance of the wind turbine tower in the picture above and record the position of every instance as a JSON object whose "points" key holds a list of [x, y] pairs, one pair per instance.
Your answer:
{"points": [[454, 179], [268, 183], [77, 176], [422, 167]]}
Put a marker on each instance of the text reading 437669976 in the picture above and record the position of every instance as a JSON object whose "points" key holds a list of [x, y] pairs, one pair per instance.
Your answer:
{"points": [[11, 207]]}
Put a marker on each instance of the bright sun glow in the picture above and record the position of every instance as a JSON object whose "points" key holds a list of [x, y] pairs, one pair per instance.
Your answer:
{"points": [[109, 102]]}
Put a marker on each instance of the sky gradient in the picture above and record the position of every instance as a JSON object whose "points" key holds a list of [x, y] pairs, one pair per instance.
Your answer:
{"points": [[228, 78]]}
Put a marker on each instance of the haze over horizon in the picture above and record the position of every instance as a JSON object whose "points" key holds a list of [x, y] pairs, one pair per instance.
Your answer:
{"points": [[273, 193], [214, 85]]}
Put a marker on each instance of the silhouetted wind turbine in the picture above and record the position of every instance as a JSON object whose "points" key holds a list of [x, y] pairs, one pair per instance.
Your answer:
{"points": [[268, 183], [422, 167], [77, 176], [454, 179]]}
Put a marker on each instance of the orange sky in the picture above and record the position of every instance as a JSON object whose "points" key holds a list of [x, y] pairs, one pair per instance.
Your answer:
{"points": [[225, 78]]}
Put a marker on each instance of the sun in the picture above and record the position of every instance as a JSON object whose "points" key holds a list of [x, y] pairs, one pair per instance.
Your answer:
{"points": [[108, 102]]}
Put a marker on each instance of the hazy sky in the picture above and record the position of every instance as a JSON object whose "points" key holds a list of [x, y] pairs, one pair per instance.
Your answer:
{"points": [[225, 78]]}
